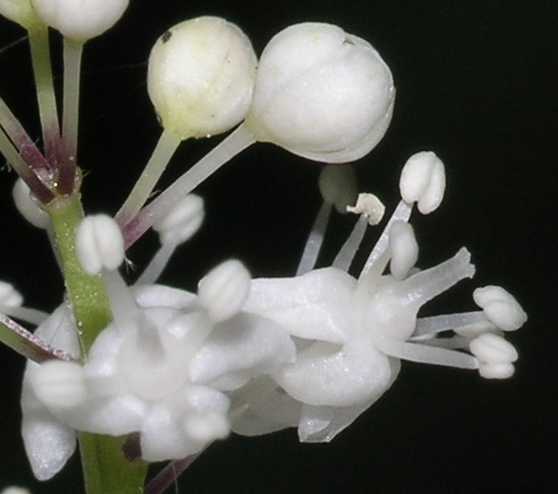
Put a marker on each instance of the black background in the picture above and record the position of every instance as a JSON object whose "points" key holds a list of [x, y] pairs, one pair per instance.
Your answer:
{"points": [[477, 84]]}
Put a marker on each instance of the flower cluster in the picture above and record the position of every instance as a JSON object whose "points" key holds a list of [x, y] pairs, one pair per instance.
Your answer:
{"points": [[313, 351]]}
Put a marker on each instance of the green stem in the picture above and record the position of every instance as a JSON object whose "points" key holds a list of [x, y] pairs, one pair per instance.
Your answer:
{"points": [[106, 470], [42, 68], [72, 69]]}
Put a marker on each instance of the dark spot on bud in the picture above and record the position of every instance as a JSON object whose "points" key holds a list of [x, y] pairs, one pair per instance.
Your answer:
{"points": [[166, 36], [347, 41]]}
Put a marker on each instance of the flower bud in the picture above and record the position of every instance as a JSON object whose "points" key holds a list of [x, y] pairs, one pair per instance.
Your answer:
{"points": [[423, 180], [322, 94], [224, 290], [20, 12], [338, 186], [99, 244], [182, 222], [201, 77], [27, 206], [83, 20]]}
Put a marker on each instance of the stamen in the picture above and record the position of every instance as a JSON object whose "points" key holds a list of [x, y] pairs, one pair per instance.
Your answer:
{"points": [[437, 324], [315, 240], [236, 142], [345, 257], [379, 257], [426, 354], [157, 265]]}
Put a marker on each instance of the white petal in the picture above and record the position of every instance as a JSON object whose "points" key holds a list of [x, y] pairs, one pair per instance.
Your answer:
{"points": [[315, 305], [324, 375], [262, 407], [245, 343], [48, 443]]}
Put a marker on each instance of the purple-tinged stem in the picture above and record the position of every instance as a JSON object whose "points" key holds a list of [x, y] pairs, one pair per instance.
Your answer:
{"points": [[15, 131], [37, 187], [169, 475], [27, 344]]}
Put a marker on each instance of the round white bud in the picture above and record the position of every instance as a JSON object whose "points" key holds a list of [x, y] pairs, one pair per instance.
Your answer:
{"points": [[338, 186], [15, 490], [201, 77], [19, 11], [500, 307], [404, 249], [9, 296], [83, 20], [182, 222], [322, 94], [423, 180], [223, 291], [28, 206], [99, 244]]}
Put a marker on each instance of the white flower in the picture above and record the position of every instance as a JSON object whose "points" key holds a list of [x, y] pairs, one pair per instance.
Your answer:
{"points": [[322, 94], [19, 11], [201, 77], [83, 20], [160, 369]]}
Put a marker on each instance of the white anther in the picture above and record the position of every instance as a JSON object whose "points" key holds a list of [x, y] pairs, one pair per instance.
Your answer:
{"points": [[496, 371], [404, 249], [338, 186], [490, 348], [500, 307], [369, 205], [59, 385], [27, 205], [201, 77], [223, 291], [321, 93], [81, 20], [207, 427], [99, 244], [423, 180], [182, 222], [9, 296]]}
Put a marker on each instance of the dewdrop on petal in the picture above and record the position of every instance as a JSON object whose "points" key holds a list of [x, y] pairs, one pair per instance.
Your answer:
{"points": [[423, 180], [99, 244], [223, 291], [182, 222], [338, 186], [27, 206], [500, 307], [80, 20], [322, 94], [201, 77], [20, 12]]}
